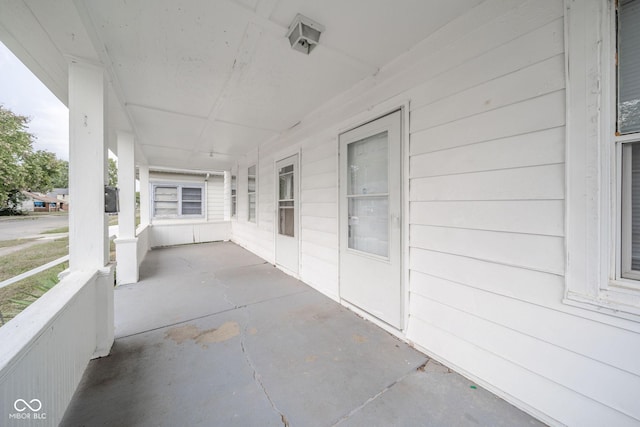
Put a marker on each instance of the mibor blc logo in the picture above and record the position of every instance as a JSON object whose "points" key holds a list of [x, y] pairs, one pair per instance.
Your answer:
{"points": [[28, 410]]}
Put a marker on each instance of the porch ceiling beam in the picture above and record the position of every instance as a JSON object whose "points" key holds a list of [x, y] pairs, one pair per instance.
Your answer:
{"points": [[103, 54]]}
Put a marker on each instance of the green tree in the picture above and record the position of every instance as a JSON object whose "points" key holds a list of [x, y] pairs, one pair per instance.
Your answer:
{"points": [[61, 179], [15, 145], [41, 168], [113, 173]]}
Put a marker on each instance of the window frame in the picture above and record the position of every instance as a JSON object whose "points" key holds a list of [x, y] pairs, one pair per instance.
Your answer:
{"points": [[179, 186], [254, 193], [593, 220], [233, 190]]}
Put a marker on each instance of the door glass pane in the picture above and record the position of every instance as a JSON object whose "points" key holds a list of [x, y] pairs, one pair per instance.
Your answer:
{"points": [[286, 203], [286, 186], [367, 167], [286, 219], [369, 225], [629, 66]]}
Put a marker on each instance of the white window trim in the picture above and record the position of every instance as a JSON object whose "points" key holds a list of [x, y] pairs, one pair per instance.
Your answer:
{"points": [[592, 226], [179, 185]]}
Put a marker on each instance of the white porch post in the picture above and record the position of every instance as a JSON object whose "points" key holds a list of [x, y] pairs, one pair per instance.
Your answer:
{"points": [[88, 231], [144, 194], [126, 243]]}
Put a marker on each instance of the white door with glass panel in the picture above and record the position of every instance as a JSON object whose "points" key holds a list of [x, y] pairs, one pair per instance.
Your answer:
{"points": [[287, 214], [370, 218]]}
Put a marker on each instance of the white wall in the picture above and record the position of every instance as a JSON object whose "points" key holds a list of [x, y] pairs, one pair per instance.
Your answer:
{"points": [[58, 330], [179, 231], [486, 214], [215, 198], [188, 233]]}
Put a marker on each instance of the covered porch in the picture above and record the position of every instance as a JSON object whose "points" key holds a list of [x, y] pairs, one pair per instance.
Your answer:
{"points": [[431, 166], [214, 335]]}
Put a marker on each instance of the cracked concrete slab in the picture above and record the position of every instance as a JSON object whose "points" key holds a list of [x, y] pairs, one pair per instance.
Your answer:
{"points": [[436, 398], [213, 335], [156, 379]]}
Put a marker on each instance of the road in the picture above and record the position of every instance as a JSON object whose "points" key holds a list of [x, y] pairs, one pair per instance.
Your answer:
{"points": [[31, 226]]}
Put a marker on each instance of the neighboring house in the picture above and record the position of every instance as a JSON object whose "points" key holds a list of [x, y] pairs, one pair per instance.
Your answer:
{"points": [[60, 194], [37, 202], [463, 173]]}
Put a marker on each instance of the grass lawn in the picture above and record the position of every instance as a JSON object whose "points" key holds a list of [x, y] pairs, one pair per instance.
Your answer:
{"points": [[28, 258], [22, 261], [57, 230], [25, 290], [15, 242]]}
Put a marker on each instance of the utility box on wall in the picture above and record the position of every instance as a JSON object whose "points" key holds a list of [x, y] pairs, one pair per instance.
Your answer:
{"points": [[111, 196]]}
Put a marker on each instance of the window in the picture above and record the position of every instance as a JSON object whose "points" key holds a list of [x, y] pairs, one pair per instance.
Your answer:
{"points": [[174, 201], [251, 193], [603, 156], [628, 134], [234, 187]]}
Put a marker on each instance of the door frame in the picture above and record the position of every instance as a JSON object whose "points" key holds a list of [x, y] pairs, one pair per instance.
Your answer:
{"points": [[375, 113], [282, 155]]}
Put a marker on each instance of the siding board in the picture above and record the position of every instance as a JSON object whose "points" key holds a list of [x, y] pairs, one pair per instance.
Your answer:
{"points": [[537, 287], [532, 149], [539, 182], [531, 82], [320, 210], [551, 326], [549, 361], [539, 45], [544, 112], [523, 385], [543, 217], [542, 253]]}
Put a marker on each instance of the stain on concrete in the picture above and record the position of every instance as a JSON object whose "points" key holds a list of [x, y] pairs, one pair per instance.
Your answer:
{"points": [[253, 331], [359, 339], [311, 358], [225, 332], [180, 334]]}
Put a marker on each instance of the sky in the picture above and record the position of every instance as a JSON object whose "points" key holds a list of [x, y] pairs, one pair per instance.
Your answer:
{"points": [[22, 93]]}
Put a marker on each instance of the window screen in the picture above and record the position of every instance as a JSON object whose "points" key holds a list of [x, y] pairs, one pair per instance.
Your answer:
{"points": [[191, 201], [165, 201], [629, 66]]}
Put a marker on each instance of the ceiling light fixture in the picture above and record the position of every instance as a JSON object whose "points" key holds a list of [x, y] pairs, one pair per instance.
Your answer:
{"points": [[304, 34]]}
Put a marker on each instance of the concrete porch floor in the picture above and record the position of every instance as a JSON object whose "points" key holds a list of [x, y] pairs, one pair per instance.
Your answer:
{"points": [[212, 335]]}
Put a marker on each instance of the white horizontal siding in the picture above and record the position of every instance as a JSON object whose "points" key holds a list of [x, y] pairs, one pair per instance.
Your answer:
{"points": [[531, 183], [486, 205], [215, 198], [319, 222], [531, 149], [544, 217], [541, 253]]}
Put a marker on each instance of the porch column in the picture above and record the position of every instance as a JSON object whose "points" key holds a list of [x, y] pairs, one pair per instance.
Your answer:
{"points": [[143, 171], [127, 242], [88, 230]]}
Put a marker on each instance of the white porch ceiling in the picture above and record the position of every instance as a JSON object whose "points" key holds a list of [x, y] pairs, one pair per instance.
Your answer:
{"points": [[202, 82]]}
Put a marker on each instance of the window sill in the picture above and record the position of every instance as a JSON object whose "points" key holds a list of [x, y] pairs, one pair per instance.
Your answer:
{"points": [[614, 303]]}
